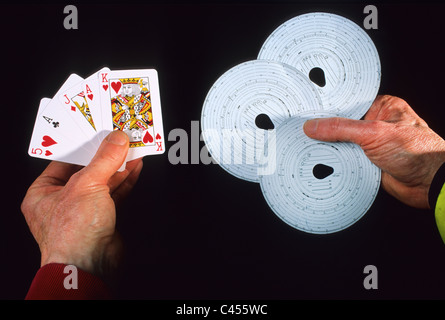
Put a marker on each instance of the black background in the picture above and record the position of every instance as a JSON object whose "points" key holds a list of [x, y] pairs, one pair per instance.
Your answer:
{"points": [[194, 231]]}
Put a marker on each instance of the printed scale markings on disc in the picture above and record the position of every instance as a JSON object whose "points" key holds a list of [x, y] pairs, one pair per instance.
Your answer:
{"points": [[318, 187], [335, 53], [248, 90]]}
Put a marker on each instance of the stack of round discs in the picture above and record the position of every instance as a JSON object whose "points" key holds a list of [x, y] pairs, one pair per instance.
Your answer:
{"points": [[314, 65], [338, 48], [236, 100], [318, 187]]}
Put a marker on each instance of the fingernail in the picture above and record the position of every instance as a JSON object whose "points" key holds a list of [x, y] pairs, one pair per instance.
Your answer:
{"points": [[310, 127], [118, 138]]}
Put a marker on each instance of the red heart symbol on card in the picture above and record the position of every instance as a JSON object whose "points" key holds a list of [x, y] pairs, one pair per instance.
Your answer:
{"points": [[90, 96], [158, 136], [105, 86], [147, 138], [116, 86], [48, 153], [48, 141]]}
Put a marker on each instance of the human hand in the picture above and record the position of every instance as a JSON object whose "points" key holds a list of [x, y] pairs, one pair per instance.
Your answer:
{"points": [[71, 213], [395, 139]]}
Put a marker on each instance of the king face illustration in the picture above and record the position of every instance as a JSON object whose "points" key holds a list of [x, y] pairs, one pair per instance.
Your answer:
{"points": [[132, 112]]}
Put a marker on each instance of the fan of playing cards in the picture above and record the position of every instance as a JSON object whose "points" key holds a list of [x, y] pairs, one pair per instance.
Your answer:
{"points": [[70, 126]]}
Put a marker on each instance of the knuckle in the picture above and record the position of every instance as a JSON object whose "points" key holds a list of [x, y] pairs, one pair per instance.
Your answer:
{"points": [[24, 207], [76, 178], [78, 181], [335, 124], [29, 205], [375, 126]]}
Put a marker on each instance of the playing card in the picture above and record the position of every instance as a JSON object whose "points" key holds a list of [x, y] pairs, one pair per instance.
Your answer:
{"points": [[130, 101], [58, 120], [75, 104], [51, 125], [47, 143], [71, 126], [90, 87], [69, 82]]}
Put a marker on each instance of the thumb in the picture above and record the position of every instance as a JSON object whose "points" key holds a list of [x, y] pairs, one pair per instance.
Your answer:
{"points": [[340, 129], [109, 157]]}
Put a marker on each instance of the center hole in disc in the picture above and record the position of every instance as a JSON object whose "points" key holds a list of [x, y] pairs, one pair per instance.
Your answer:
{"points": [[321, 171], [263, 121], [317, 76]]}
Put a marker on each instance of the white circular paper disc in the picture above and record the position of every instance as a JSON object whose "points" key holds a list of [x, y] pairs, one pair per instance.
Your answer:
{"points": [[308, 201], [238, 97], [339, 47]]}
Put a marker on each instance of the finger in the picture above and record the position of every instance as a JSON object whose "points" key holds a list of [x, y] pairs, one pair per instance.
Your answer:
{"points": [[127, 185], [416, 197], [115, 181], [388, 108], [340, 129], [393, 109], [108, 159], [374, 112]]}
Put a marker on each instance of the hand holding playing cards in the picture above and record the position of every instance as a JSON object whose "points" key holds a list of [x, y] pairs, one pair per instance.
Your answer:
{"points": [[395, 139], [71, 213], [70, 126]]}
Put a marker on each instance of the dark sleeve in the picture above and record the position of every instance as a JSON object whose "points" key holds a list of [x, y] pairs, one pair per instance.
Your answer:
{"points": [[50, 281]]}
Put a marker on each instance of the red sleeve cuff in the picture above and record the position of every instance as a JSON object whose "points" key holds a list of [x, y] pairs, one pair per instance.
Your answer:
{"points": [[50, 281]]}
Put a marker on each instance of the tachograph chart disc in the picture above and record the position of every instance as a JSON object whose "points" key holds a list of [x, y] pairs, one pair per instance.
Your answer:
{"points": [[318, 187], [236, 100], [335, 51]]}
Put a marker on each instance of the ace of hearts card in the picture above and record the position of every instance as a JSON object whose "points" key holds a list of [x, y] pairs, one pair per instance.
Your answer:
{"points": [[131, 103]]}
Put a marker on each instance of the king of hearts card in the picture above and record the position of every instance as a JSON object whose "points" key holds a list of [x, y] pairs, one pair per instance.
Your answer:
{"points": [[134, 107], [132, 111]]}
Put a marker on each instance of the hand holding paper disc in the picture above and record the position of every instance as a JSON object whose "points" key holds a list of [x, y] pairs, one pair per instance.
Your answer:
{"points": [[318, 187]]}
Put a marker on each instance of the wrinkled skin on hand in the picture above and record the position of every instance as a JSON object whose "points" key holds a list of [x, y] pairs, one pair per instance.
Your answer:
{"points": [[395, 139], [71, 211]]}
